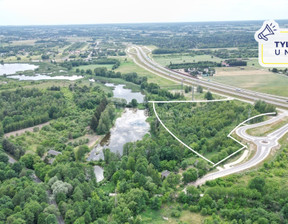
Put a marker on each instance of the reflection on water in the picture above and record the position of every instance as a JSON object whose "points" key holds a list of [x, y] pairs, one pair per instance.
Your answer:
{"points": [[10, 69], [43, 77], [127, 94], [99, 173], [130, 127]]}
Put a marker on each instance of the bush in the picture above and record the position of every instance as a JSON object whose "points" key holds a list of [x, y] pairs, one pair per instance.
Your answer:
{"points": [[203, 211], [193, 208], [175, 213]]}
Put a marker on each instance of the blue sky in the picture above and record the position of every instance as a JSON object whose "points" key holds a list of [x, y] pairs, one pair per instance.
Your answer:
{"points": [[43, 12]]}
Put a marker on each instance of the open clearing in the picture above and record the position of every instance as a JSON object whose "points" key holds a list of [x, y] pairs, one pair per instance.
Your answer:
{"points": [[265, 130], [165, 59], [92, 67], [22, 131], [129, 66], [154, 216], [259, 80]]}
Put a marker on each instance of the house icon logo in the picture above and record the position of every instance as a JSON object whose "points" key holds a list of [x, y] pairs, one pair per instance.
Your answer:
{"points": [[272, 45]]}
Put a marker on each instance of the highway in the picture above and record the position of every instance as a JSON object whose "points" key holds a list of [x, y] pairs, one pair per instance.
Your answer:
{"points": [[142, 59], [264, 146]]}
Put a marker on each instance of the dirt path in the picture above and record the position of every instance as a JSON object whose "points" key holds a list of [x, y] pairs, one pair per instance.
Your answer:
{"points": [[92, 140], [22, 131]]}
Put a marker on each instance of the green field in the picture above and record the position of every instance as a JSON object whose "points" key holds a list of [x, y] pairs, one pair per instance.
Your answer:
{"points": [[165, 59], [156, 216], [92, 67], [129, 66], [257, 80], [265, 130]]}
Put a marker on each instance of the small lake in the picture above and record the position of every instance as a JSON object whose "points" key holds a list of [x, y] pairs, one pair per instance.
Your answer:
{"points": [[130, 127], [10, 69], [38, 77], [99, 173], [120, 92]]}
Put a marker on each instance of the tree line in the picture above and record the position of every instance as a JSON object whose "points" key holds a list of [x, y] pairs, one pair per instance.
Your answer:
{"points": [[24, 108]]}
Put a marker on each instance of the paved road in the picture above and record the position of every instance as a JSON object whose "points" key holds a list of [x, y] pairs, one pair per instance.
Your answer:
{"points": [[264, 146], [152, 66]]}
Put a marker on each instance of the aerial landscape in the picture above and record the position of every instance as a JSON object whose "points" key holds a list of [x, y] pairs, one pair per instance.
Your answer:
{"points": [[138, 119]]}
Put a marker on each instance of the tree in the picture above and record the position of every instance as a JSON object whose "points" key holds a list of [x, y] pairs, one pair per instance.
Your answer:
{"points": [[1, 130], [263, 107], [257, 183], [70, 216], [94, 123], [28, 160], [87, 217], [172, 181], [61, 187], [190, 175], [40, 150], [134, 103], [77, 194], [199, 89], [131, 163], [156, 203], [285, 211], [51, 219], [80, 152], [193, 193], [208, 96], [4, 158]]}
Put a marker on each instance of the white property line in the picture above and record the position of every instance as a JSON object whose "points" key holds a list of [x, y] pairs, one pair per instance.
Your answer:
{"points": [[198, 154], [229, 135], [192, 101], [260, 115], [244, 146]]}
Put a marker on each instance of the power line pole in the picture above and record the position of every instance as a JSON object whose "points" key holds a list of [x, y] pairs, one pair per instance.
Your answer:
{"points": [[192, 93]]}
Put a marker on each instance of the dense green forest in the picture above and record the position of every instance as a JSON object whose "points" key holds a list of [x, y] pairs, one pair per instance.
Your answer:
{"points": [[24, 108], [210, 124]]}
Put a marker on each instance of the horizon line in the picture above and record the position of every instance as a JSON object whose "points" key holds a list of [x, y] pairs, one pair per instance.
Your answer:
{"points": [[135, 23]]}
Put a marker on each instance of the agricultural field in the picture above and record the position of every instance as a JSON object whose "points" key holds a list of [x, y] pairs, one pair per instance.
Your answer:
{"points": [[128, 66], [165, 60], [254, 79], [92, 67]]}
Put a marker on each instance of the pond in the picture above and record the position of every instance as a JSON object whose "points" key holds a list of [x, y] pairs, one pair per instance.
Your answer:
{"points": [[10, 69], [130, 127], [120, 92], [99, 173], [38, 77]]}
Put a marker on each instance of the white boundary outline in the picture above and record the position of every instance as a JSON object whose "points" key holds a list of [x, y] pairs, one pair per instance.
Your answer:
{"points": [[229, 135]]}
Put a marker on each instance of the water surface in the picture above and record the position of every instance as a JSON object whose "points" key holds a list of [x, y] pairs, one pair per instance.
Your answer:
{"points": [[120, 92], [130, 127], [99, 173], [38, 77], [10, 69]]}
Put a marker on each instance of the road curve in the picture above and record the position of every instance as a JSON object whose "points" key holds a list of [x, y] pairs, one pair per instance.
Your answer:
{"points": [[151, 65], [264, 147]]}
